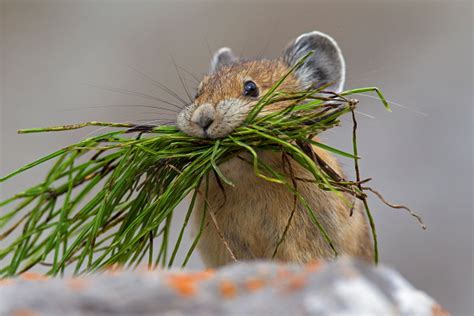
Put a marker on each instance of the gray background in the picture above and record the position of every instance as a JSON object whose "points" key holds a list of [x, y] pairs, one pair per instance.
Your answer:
{"points": [[419, 53]]}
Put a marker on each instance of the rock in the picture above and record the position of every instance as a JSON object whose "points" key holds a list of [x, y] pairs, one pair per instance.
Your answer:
{"points": [[344, 287]]}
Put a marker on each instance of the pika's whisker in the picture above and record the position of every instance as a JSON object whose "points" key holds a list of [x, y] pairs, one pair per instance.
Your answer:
{"points": [[160, 85], [121, 105], [190, 73], [181, 80], [140, 94]]}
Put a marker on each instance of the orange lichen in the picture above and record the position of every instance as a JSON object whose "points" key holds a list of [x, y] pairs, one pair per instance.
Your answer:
{"points": [[283, 273], [204, 274], [78, 284], [296, 282], [254, 284], [228, 289], [313, 266], [185, 283], [33, 276], [24, 312]]}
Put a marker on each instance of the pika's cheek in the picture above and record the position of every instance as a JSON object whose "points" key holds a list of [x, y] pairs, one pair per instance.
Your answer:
{"points": [[183, 121], [233, 109], [230, 114]]}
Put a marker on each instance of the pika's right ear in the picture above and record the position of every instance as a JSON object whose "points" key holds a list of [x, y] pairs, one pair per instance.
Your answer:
{"points": [[325, 66], [223, 57]]}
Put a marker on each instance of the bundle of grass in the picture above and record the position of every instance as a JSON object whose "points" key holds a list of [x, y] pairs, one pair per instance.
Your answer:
{"points": [[107, 198]]}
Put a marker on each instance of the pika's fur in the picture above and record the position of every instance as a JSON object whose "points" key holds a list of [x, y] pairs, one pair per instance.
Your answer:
{"points": [[253, 214]]}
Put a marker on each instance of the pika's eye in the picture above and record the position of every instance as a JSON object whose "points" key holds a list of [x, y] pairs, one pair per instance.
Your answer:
{"points": [[250, 89]]}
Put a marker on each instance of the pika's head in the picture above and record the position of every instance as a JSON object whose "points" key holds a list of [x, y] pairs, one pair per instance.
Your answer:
{"points": [[233, 86]]}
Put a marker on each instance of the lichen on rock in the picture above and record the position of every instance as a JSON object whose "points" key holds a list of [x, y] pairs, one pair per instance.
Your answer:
{"points": [[247, 288]]}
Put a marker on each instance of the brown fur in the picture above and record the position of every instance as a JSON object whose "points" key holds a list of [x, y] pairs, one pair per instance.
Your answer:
{"points": [[253, 214]]}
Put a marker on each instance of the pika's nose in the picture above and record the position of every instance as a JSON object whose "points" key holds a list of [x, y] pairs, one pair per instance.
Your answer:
{"points": [[203, 116], [205, 121]]}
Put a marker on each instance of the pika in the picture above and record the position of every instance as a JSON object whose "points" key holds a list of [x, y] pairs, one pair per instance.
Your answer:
{"points": [[253, 214]]}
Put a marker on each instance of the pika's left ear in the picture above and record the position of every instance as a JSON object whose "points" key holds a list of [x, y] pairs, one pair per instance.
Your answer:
{"points": [[223, 57], [325, 65]]}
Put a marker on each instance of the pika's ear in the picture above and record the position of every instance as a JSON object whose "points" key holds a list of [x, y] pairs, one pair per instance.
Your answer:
{"points": [[325, 65], [223, 57]]}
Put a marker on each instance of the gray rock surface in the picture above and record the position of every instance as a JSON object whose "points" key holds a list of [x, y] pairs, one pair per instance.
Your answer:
{"points": [[344, 287]]}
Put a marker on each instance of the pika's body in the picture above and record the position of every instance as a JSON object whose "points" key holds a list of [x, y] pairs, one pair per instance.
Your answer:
{"points": [[253, 214]]}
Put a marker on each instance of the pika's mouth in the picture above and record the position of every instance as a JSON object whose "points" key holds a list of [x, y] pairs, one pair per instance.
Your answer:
{"points": [[205, 118]]}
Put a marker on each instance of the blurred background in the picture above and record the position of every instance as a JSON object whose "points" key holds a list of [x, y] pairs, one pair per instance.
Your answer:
{"points": [[59, 59]]}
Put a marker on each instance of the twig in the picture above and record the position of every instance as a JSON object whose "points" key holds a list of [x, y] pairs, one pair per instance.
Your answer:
{"points": [[141, 129], [397, 206], [363, 198], [356, 161], [221, 236], [221, 187], [308, 150], [295, 199], [343, 182]]}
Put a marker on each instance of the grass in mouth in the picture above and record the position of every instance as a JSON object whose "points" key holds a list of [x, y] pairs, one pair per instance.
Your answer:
{"points": [[108, 197]]}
